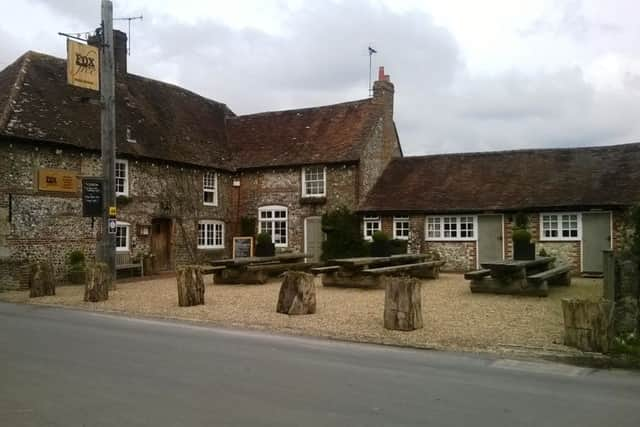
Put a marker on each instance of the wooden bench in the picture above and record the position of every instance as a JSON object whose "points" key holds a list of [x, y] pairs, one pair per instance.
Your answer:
{"points": [[558, 276], [124, 262], [477, 274], [280, 267], [425, 270], [326, 269]]}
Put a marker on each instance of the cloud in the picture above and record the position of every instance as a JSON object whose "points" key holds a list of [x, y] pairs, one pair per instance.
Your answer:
{"points": [[317, 54]]}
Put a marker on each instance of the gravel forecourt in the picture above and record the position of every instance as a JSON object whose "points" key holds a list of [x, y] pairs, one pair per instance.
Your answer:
{"points": [[454, 318]]}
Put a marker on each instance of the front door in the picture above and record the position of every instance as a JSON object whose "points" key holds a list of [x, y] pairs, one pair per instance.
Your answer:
{"points": [[490, 238], [596, 237], [161, 243], [313, 238]]}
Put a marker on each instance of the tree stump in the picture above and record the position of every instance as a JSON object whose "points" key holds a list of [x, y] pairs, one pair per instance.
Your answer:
{"points": [[402, 303], [96, 288], [190, 285], [41, 280], [297, 294], [588, 325]]}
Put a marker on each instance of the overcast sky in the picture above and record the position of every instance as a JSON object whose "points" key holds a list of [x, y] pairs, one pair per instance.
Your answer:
{"points": [[469, 75]]}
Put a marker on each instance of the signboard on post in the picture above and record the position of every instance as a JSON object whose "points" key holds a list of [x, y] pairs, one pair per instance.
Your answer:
{"points": [[242, 247], [59, 180], [83, 65], [112, 225], [92, 197]]}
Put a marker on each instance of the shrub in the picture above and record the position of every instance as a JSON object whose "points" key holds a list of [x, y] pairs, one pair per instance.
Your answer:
{"points": [[76, 258], [398, 247], [263, 239], [344, 235], [542, 253], [380, 236], [521, 235]]}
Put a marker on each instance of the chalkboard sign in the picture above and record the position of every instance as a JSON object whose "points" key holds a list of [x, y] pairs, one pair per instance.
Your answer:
{"points": [[92, 197], [242, 247]]}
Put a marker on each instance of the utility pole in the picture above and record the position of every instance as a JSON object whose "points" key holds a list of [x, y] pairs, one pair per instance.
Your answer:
{"points": [[107, 135]]}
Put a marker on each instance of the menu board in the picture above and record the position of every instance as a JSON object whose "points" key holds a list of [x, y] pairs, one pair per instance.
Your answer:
{"points": [[92, 197], [242, 247]]}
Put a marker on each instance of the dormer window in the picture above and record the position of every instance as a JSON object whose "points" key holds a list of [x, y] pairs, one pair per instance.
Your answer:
{"points": [[130, 138], [314, 181]]}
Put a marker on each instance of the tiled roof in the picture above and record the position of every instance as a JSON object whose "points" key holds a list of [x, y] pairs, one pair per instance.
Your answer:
{"points": [[166, 121], [510, 180], [328, 134]]}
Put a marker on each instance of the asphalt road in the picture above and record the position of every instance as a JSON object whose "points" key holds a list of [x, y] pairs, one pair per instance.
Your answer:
{"points": [[71, 368]]}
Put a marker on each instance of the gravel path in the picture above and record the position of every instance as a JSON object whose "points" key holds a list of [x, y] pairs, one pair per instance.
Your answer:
{"points": [[453, 317]]}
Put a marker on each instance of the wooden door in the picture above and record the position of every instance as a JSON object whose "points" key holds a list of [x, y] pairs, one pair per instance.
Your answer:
{"points": [[161, 243], [313, 238], [596, 236], [490, 247]]}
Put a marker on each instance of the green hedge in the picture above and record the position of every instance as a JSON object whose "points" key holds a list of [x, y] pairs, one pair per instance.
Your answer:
{"points": [[344, 235]]}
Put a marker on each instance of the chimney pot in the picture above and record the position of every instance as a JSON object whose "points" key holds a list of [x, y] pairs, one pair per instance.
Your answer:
{"points": [[381, 73]]}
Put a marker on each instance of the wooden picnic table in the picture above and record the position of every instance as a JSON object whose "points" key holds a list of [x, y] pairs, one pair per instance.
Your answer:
{"points": [[519, 277], [366, 272], [256, 270]]}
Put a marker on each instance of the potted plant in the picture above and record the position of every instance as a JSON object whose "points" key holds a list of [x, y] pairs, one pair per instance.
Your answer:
{"points": [[76, 267], [523, 249], [147, 263], [264, 245], [381, 245]]}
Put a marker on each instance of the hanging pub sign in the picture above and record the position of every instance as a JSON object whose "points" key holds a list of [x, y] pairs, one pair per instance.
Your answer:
{"points": [[83, 65], [92, 197]]}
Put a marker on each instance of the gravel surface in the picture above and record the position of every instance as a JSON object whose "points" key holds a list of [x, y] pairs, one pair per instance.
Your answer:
{"points": [[453, 317]]}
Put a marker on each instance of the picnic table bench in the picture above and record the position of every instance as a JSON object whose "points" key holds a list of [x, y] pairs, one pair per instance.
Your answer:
{"points": [[528, 277], [256, 270], [366, 272]]}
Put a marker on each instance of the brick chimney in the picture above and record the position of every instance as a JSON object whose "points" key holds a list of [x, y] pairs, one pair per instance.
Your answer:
{"points": [[383, 90], [119, 50]]}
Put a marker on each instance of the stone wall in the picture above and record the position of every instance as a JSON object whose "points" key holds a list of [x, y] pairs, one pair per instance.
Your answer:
{"points": [[283, 187], [37, 225]]}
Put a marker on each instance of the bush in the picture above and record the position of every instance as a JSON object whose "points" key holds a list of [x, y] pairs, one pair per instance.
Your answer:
{"points": [[521, 235], [542, 253], [76, 259], [380, 236], [263, 239], [398, 247], [344, 235]]}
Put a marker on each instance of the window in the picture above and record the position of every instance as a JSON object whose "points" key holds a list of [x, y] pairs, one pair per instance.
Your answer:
{"points": [[122, 237], [401, 227], [314, 181], [273, 220], [122, 178], [210, 189], [451, 228], [371, 225], [210, 235], [565, 226]]}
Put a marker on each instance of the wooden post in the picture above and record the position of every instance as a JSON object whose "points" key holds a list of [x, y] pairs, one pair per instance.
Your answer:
{"points": [[588, 325], [297, 294], [96, 288], [41, 280], [190, 285], [402, 303]]}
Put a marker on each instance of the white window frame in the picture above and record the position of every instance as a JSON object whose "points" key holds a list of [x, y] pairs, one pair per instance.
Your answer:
{"points": [[273, 220], [125, 186], [127, 227], [560, 237], [213, 224], [324, 181], [373, 220], [208, 189], [397, 220], [442, 238]]}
